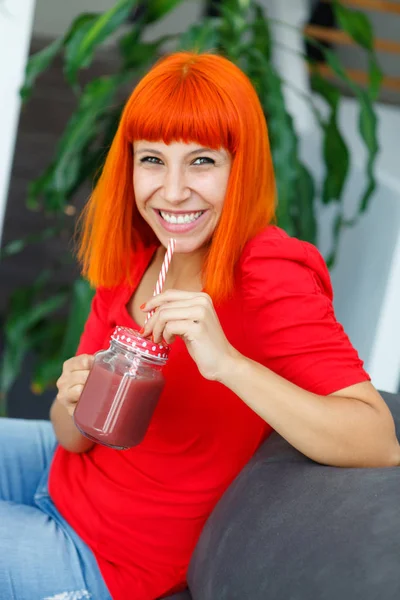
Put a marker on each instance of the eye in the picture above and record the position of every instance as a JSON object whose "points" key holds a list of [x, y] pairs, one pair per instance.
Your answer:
{"points": [[204, 160], [151, 159]]}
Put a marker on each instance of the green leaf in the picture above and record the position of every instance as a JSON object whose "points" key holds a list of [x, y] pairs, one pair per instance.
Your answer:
{"points": [[58, 180], [10, 367], [16, 246], [368, 125], [140, 54], [201, 37], [325, 89], [66, 334], [356, 24], [261, 35], [82, 44], [157, 9], [375, 77], [305, 220], [337, 161], [239, 6], [25, 312], [282, 134], [77, 33], [94, 155], [46, 340], [232, 30], [38, 63], [337, 228], [336, 66], [80, 302], [13, 247], [37, 187], [19, 322]]}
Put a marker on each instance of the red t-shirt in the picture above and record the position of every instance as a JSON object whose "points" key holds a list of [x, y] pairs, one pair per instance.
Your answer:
{"points": [[141, 511]]}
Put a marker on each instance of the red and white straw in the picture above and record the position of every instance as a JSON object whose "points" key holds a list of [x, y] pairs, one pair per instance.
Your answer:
{"points": [[163, 273]]}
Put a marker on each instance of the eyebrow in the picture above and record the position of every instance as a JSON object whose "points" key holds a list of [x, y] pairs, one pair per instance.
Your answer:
{"points": [[153, 151]]}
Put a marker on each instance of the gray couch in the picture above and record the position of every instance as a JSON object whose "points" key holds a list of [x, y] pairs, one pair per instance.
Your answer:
{"points": [[290, 529]]}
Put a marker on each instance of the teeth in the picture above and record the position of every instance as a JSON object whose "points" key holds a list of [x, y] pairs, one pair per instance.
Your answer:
{"points": [[180, 219]]}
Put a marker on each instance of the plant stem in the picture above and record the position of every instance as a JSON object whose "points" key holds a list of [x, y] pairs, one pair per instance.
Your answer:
{"points": [[308, 98]]}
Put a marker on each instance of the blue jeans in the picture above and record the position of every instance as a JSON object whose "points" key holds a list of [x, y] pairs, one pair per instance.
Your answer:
{"points": [[41, 557]]}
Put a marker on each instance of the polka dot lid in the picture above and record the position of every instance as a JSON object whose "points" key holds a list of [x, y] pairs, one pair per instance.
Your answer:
{"points": [[133, 340]]}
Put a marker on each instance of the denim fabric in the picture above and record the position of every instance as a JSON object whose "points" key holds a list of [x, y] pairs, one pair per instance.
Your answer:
{"points": [[41, 557]]}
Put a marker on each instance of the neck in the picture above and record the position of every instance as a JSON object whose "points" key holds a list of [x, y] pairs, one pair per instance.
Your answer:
{"points": [[185, 268]]}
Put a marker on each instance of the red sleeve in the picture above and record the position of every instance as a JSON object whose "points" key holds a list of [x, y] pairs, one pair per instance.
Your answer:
{"points": [[288, 312], [97, 328]]}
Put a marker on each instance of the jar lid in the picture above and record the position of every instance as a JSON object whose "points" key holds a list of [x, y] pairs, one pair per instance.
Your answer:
{"points": [[134, 341]]}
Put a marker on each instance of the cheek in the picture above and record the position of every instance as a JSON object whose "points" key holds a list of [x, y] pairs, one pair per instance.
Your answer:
{"points": [[213, 189], [136, 187], [142, 187]]}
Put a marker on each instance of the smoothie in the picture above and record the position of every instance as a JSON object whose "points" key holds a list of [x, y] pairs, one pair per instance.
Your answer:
{"points": [[116, 410]]}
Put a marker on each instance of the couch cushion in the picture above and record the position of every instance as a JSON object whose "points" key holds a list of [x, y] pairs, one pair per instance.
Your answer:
{"points": [[181, 596], [290, 528], [393, 402]]}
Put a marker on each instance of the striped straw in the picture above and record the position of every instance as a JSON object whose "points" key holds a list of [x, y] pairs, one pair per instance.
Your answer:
{"points": [[163, 272]]}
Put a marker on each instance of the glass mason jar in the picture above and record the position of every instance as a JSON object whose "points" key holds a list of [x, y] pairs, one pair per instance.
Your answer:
{"points": [[122, 390]]}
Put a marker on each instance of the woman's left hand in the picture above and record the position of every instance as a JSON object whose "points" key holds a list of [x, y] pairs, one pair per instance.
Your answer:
{"points": [[191, 316]]}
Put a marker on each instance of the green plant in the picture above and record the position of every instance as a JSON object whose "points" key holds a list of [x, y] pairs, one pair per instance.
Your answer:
{"points": [[242, 33]]}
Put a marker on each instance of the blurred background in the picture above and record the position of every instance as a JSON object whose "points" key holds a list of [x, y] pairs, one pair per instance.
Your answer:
{"points": [[328, 75]]}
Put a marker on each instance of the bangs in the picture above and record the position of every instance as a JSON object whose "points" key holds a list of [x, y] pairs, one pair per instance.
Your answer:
{"points": [[182, 107]]}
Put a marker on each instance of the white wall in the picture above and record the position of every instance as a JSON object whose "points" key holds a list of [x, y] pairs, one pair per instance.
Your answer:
{"points": [[366, 278], [15, 27]]}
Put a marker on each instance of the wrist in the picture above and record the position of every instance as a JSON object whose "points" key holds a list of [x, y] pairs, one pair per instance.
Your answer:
{"points": [[231, 367]]}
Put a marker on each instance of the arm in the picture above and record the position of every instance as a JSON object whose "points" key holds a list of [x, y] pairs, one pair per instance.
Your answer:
{"points": [[75, 373], [70, 385], [66, 432], [350, 428], [296, 367]]}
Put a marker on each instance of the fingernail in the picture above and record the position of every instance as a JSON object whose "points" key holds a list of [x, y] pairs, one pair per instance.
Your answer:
{"points": [[141, 331], [142, 306]]}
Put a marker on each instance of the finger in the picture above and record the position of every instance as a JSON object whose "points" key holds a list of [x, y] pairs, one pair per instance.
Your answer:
{"points": [[74, 393], [78, 378], [70, 397], [71, 394], [78, 363], [185, 329], [166, 314], [175, 296], [201, 300], [150, 323], [71, 407], [71, 378]]}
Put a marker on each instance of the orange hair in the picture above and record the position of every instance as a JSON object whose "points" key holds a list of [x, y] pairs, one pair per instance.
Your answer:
{"points": [[201, 98]]}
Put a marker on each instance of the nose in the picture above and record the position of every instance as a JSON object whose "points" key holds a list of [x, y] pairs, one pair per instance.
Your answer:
{"points": [[175, 189]]}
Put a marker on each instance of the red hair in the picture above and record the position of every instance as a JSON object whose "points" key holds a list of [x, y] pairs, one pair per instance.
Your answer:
{"points": [[202, 98]]}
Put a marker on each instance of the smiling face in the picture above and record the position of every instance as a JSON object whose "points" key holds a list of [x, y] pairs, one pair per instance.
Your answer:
{"points": [[180, 190]]}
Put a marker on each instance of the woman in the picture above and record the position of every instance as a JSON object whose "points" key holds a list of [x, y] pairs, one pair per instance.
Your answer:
{"points": [[255, 347]]}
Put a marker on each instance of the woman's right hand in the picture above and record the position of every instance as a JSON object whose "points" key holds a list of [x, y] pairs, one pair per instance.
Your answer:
{"points": [[72, 380]]}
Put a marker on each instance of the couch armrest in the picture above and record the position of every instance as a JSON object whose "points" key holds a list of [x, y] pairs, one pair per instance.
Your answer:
{"points": [[290, 528], [393, 402]]}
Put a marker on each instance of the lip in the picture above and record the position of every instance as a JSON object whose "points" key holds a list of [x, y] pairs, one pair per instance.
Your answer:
{"points": [[180, 227]]}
